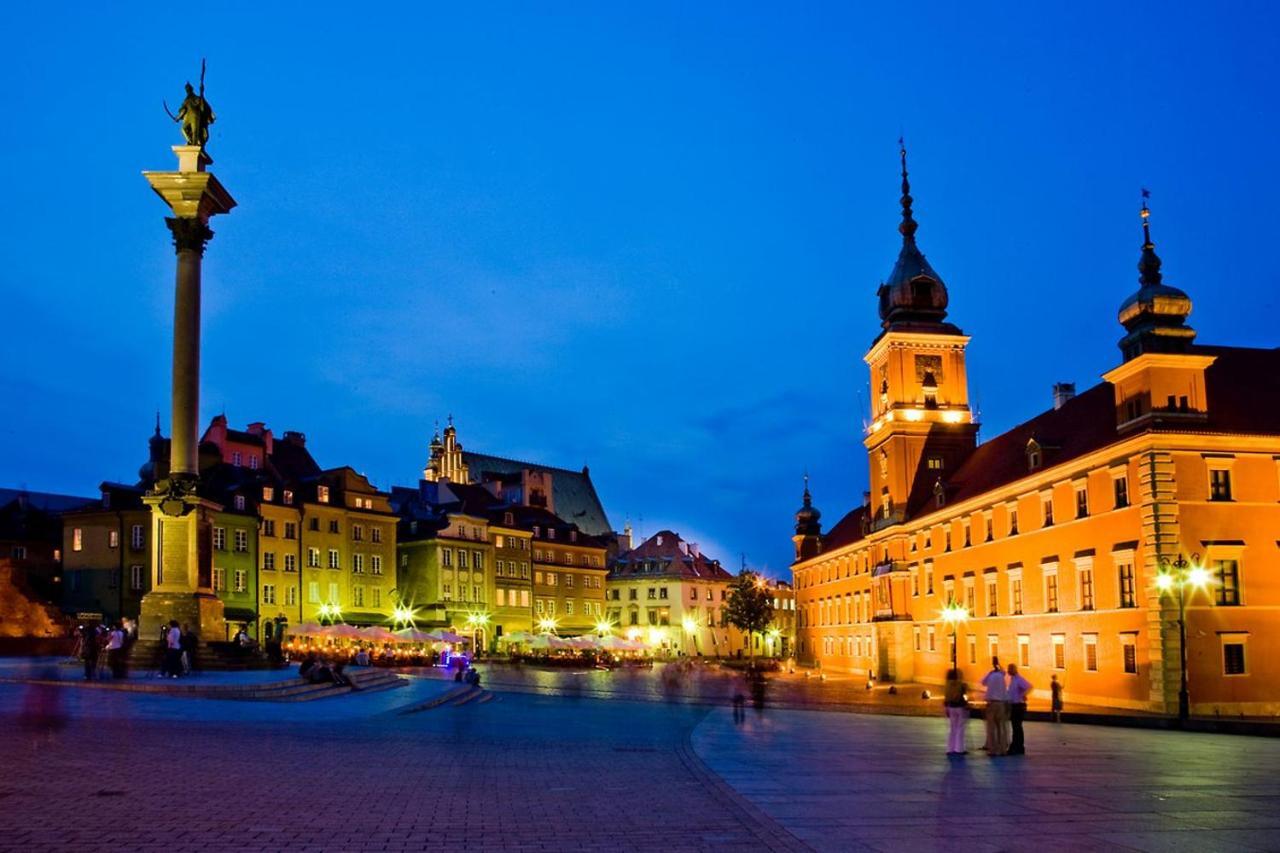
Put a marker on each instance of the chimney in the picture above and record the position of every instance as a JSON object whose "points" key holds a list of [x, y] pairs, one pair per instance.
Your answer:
{"points": [[296, 438], [1062, 392]]}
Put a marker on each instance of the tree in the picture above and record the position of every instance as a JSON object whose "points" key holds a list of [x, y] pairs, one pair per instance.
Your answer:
{"points": [[750, 606]]}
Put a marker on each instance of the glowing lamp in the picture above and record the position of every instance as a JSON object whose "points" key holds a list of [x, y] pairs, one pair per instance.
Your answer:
{"points": [[546, 625], [953, 417], [1164, 581], [954, 614], [1198, 576], [604, 627], [690, 625], [913, 414]]}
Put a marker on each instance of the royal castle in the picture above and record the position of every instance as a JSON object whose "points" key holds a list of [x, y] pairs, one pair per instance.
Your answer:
{"points": [[1085, 543]]}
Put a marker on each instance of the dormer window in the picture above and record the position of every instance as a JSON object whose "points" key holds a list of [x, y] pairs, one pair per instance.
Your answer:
{"points": [[939, 493], [239, 501], [288, 498], [322, 494], [508, 518], [1035, 455], [268, 493]]}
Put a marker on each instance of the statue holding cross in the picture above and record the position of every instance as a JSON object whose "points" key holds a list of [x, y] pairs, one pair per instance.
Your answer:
{"points": [[195, 115]]}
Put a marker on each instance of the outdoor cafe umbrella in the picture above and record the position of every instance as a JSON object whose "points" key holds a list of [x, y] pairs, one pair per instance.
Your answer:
{"points": [[378, 634], [413, 635], [519, 637], [450, 637], [305, 629]]}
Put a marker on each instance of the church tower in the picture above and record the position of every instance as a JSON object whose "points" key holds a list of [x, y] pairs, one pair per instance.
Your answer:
{"points": [[921, 425], [445, 462]]}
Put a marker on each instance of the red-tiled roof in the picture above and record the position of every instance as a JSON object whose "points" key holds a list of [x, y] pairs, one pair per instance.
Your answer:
{"points": [[1243, 390]]}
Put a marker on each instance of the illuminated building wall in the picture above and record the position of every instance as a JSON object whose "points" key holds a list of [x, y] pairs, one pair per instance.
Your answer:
{"points": [[1054, 536]]}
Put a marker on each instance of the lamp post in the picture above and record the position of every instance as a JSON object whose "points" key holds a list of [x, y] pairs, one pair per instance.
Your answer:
{"points": [[954, 615], [1175, 576], [476, 622]]}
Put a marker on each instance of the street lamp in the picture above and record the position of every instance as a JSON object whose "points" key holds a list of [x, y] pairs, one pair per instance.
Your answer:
{"points": [[476, 622], [332, 612], [691, 626], [604, 627], [402, 615], [1177, 575], [547, 625], [954, 615]]}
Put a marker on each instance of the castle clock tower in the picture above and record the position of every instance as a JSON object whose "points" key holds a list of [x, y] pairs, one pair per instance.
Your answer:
{"points": [[921, 425]]}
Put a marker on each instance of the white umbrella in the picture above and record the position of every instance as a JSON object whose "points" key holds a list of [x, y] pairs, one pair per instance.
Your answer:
{"points": [[378, 634], [305, 629], [413, 635]]}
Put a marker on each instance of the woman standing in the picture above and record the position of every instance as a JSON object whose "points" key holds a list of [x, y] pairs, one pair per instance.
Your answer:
{"points": [[956, 703]]}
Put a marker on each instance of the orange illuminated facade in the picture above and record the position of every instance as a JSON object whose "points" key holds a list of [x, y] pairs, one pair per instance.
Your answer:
{"points": [[1060, 539]]}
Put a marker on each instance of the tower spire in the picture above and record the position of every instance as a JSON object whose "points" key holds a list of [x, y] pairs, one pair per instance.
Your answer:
{"points": [[1149, 264], [908, 226]]}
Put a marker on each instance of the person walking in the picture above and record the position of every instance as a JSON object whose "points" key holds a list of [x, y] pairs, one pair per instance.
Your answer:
{"points": [[956, 703], [1055, 702], [1019, 688], [173, 649], [997, 716], [115, 651]]}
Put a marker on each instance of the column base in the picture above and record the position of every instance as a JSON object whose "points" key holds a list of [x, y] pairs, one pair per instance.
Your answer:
{"points": [[201, 611]]}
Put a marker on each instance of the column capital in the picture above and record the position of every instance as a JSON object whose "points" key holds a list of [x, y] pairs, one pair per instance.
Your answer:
{"points": [[189, 233]]}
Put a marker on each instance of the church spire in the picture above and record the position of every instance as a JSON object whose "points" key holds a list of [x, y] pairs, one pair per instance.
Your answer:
{"points": [[1154, 318], [908, 227]]}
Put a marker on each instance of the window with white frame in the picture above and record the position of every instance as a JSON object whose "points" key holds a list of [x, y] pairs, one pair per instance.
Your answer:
{"points": [[1015, 590], [220, 538], [1129, 652], [1090, 642], [135, 578], [1059, 645], [268, 593], [335, 561], [1050, 574], [238, 579], [219, 579], [1084, 581], [1024, 650], [1234, 646], [136, 537], [290, 562]]}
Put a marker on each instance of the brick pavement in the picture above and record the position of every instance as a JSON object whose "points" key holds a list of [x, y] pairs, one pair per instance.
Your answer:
{"points": [[522, 773]]}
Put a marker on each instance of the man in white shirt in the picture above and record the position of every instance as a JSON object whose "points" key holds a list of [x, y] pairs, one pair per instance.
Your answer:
{"points": [[997, 716], [173, 649], [115, 651], [1019, 687]]}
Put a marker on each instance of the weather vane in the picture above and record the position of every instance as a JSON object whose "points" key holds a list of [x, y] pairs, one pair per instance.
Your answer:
{"points": [[195, 115]]}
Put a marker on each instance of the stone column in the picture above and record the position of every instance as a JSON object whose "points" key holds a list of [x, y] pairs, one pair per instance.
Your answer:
{"points": [[181, 519], [189, 238]]}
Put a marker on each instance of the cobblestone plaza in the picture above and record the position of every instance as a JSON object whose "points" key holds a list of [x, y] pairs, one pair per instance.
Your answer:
{"points": [[555, 771]]}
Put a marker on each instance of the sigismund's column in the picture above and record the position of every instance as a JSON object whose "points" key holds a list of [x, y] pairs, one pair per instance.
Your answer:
{"points": [[182, 532]]}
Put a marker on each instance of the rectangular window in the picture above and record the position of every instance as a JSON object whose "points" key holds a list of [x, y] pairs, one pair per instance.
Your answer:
{"points": [[313, 592], [287, 497], [357, 533], [1015, 595], [1128, 595], [135, 578], [1227, 588], [335, 562], [220, 538], [322, 494], [970, 596], [113, 539], [377, 596], [1013, 521], [313, 558], [268, 494], [1051, 592], [993, 645], [1086, 588], [1082, 501], [242, 541], [268, 527], [239, 502], [1046, 505], [1090, 652], [375, 534], [992, 604], [568, 581], [268, 593], [357, 596], [237, 458], [1129, 652], [1059, 651], [290, 596], [973, 648], [501, 599], [1233, 661], [334, 526], [375, 564], [1024, 650], [290, 562], [1122, 492], [333, 594], [238, 578], [135, 537], [290, 530], [357, 564], [268, 561], [1219, 484], [928, 578], [446, 556], [219, 579], [915, 632], [462, 559]]}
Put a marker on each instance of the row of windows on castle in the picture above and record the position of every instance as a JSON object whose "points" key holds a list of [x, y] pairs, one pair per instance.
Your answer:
{"points": [[859, 607], [661, 616], [660, 593], [940, 537], [926, 640]]}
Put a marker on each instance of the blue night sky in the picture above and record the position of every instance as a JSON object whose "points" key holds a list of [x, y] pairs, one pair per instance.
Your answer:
{"points": [[645, 237]]}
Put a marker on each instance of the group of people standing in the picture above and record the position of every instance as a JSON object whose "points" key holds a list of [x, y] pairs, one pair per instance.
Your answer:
{"points": [[178, 646], [1006, 693], [97, 645]]}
